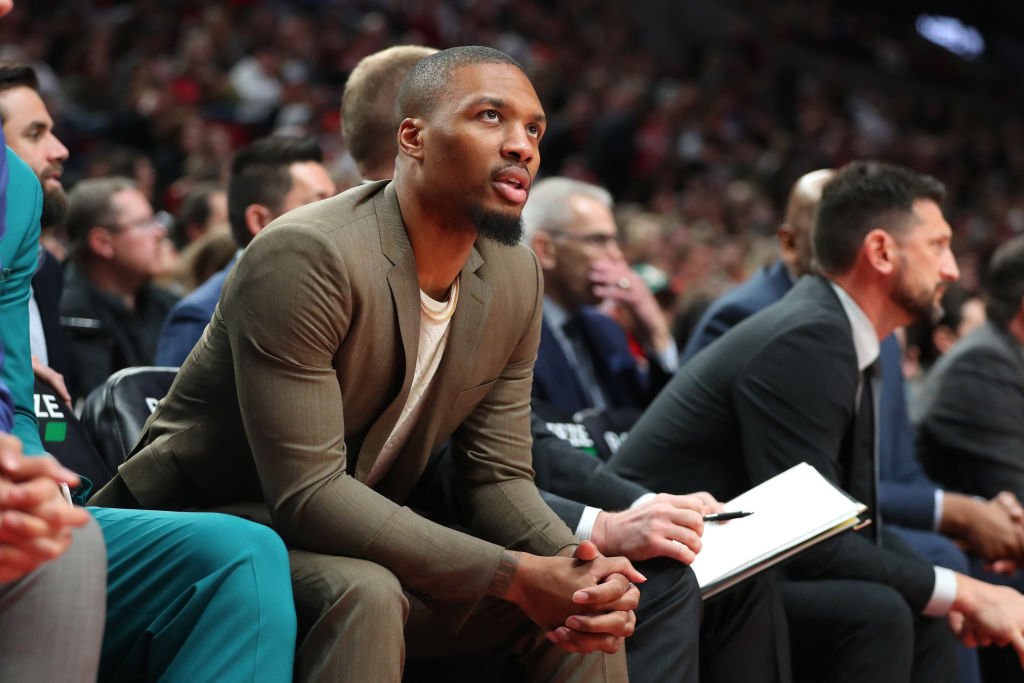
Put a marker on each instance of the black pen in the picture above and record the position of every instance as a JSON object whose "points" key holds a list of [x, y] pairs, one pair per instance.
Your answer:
{"points": [[725, 516]]}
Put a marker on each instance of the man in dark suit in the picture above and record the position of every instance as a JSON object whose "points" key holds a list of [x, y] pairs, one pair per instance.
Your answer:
{"points": [[584, 360], [971, 435], [353, 337], [788, 385], [269, 177], [906, 496], [772, 282]]}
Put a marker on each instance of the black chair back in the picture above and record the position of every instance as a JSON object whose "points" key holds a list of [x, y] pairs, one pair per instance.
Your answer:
{"points": [[116, 411]]}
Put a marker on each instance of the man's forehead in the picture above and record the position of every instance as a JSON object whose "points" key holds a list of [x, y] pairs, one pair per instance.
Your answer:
{"points": [[928, 219], [23, 107], [590, 214], [129, 198], [498, 82]]}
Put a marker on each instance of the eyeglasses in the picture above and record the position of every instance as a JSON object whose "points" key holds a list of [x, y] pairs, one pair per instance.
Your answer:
{"points": [[148, 223], [598, 240]]}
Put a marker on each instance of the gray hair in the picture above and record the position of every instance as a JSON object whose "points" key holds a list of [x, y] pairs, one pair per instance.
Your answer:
{"points": [[548, 207]]}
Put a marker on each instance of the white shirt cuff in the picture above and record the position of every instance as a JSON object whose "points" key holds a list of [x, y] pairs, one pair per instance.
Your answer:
{"points": [[937, 515], [585, 527], [943, 595], [641, 500], [669, 357]]}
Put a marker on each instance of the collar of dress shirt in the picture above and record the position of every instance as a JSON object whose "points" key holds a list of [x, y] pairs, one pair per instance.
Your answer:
{"points": [[865, 340], [555, 314]]}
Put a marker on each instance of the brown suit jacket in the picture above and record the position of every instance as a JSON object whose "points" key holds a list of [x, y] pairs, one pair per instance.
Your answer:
{"points": [[301, 376]]}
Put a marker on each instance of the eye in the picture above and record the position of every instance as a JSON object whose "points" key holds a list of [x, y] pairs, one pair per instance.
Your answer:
{"points": [[491, 115], [533, 129]]}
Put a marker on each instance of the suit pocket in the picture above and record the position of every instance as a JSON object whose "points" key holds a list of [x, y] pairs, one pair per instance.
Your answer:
{"points": [[467, 399]]}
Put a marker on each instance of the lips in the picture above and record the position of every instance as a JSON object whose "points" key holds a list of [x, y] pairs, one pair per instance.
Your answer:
{"points": [[52, 177], [513, 184]]}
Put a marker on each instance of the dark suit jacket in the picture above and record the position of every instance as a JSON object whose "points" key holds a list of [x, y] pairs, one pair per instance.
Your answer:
{"points": [[103, 335], [623, 383], [301, 377], [47, 285], [188, 318], [906, 496], [761, 290], [971, 434], [777, 389], [569, 479]]}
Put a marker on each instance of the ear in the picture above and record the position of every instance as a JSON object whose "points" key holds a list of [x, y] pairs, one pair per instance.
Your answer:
{"points": [[410, 138], [257, 217], [879, 248], [544, 246], [788, 243], [100, 242]]}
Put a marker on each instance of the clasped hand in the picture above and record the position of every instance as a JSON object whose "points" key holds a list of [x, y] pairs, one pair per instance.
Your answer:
{"points": [[35, 520], [585, 603]]}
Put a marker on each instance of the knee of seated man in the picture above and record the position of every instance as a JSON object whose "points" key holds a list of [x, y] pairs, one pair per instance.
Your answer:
{"points": [[327, 582], [670, 584], [877, 606], [217, 540]]}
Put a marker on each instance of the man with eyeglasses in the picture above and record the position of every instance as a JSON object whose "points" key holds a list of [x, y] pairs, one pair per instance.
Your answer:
{"points": [[584, 359], [110, 308]]}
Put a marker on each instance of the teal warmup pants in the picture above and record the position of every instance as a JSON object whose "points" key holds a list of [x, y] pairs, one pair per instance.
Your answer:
{"points": [[195, 597]]}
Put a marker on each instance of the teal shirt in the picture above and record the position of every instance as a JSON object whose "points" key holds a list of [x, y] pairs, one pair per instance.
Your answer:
{"points": [[19, 256]]}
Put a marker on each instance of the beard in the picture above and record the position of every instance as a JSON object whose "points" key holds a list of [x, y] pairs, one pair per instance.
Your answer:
{"points": [[503, 228], [55, 207], [921, 305]]}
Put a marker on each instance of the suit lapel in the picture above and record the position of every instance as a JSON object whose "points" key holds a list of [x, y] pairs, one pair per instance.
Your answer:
{"points": [[464, 335], [403, 286]]}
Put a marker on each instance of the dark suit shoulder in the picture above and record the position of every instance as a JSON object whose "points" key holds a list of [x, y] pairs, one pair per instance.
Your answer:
{"points": [[761, 290]]}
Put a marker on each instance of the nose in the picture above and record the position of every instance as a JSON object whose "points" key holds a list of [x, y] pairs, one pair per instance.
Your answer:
{"points": [[614, 249], [57, 151], [519, 146], [949, 270]]}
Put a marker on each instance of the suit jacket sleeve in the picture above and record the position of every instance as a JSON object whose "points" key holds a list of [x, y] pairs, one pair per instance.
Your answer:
{"points": [[491, 455], [975, 421], [568, 472], [287, 307], [788, 418], [19, 252], [569, 511]]}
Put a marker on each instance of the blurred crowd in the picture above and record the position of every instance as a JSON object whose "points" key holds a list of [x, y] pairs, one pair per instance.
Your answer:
{"points": [[697, 118]]}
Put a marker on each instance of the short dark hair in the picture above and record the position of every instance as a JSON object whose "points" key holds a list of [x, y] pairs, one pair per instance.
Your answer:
{"points": [[428, 82], [865, 195], [368, 104], [260, 175], [89, 206], [194, 210], [1004, 282], [16, 75]]}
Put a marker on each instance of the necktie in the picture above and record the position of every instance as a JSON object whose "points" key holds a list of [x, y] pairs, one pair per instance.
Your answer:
{"points": [[861, 470], [582, 363]]}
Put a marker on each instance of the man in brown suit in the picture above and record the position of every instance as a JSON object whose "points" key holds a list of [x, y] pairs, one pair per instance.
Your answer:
{"points": [[380, 323]]}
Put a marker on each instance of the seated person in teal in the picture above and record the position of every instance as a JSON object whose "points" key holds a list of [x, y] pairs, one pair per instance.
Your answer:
{"points": [[190, 596]]}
